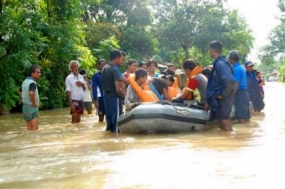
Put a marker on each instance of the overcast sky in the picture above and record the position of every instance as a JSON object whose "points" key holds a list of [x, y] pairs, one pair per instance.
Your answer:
{"points": [[261, 16]]}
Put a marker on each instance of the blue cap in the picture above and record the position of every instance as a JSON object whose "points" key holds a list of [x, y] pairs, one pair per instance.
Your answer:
{"points": [[248, 63]]}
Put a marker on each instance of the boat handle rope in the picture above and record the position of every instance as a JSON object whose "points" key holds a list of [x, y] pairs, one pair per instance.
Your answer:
{"points": [[182, 111]]}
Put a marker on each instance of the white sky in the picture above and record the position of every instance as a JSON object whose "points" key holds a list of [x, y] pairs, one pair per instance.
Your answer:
{"points": [[261, 16]]}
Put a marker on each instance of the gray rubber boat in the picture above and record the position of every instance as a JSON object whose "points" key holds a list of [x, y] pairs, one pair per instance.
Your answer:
{"points": [[158, 117]]}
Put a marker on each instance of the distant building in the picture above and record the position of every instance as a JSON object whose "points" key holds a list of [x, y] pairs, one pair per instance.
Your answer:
{"points": [[273, 76]]}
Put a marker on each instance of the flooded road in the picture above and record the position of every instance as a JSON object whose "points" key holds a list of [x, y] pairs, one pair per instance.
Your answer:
{"points": [[63, 155]]}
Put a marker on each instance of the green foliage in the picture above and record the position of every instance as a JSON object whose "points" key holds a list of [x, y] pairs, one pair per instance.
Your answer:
{"points": [[50, 33], [105, 47]]}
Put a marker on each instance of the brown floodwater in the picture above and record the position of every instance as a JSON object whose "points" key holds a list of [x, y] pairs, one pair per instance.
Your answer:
{"points": [[65, 155]]}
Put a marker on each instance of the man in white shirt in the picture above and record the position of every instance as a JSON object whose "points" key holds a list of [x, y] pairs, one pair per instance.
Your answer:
{"points": [[75, 89], [87, 98]]}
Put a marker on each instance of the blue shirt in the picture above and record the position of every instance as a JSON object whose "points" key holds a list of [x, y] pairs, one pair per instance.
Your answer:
{"points": [[240, 76]]}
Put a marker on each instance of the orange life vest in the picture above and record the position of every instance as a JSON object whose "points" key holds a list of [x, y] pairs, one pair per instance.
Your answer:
{"points": [[145, 94], [175, 84], [197, 70], [172, 92]]}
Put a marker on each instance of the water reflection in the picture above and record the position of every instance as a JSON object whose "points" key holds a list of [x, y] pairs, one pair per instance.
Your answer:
{"points": [[62, 155]]}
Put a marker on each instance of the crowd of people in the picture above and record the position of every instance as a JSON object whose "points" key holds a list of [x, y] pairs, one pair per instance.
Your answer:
{"points": [[216, 88]]}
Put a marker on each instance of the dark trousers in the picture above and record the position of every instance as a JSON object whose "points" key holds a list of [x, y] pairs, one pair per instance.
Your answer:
{"points": [[242, 105], [224, 108], [113, 109]]}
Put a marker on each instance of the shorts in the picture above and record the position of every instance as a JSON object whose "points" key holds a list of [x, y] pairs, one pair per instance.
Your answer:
{"points": [[30, 112], [78, 106], [224, 108], [88, 105]]}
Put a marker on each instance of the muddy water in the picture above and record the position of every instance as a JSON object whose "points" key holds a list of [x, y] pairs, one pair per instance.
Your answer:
{"points": [[62, 155]]}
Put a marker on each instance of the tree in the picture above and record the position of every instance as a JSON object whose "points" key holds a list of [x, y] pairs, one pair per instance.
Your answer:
{"points": [[193, 24]]}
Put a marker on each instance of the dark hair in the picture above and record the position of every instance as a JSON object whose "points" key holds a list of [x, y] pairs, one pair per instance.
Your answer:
{"points": [[101, 60], [82, 72], [140, 73], [151, 61], [32, 70], [234, 55], [123, 53], [170, 78], [206, 72], [170, 65], [115, 54], [257, 72], [189, 64], [169, 71], [142, 63], [131, 62], [217, 46]]}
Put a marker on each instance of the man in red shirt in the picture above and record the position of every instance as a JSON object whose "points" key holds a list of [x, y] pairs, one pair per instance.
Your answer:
{"points": [[196, 84]]}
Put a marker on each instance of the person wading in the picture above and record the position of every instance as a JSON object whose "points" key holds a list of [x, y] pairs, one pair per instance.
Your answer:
{"points": [[75, 89], [113, 92], [30, 98], [220, 88]]}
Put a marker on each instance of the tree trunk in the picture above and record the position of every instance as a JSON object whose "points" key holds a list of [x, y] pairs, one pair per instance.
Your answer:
{"points": [[186, 50]]}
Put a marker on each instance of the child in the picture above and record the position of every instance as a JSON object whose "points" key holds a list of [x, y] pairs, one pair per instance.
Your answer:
{"points": [[172, 92], [131, 96]]}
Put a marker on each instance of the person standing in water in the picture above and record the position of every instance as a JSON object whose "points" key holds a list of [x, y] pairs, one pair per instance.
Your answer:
{"points": [[75, 90], [97, 90], [220, 88], [30, 98], [241, 99], [87, 98], [113, 92]]}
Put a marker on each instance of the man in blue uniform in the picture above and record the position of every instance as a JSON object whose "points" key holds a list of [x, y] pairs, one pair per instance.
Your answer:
{"points": [[220, 89], [241, 100], [97, 90], [253, 88]]}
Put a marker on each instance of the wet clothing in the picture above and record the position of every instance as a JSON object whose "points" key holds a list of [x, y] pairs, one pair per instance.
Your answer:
{"points": [[30, 112], [112, 100], [78, 105], [241, 103], [221, 82], [114, 108], [88, 105], [101, 109], [253, 91]]}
